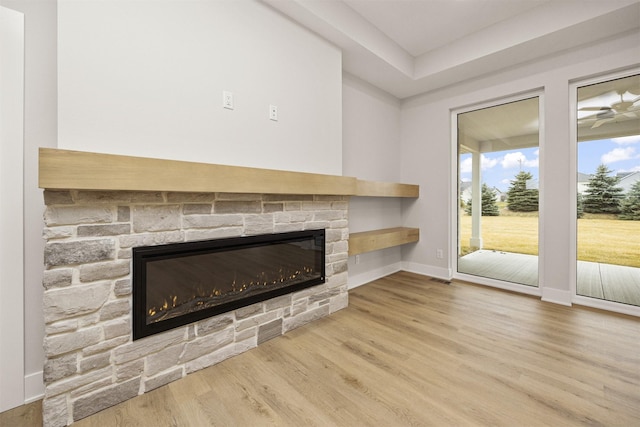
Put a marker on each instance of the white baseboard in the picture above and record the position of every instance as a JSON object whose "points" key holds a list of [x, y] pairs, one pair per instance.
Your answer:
{"points": [[371, 275], [556, 296], [427, 270], [33, 387]]}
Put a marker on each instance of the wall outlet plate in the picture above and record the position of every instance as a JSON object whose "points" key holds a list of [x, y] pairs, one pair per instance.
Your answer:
{"points": [[227, 100]]}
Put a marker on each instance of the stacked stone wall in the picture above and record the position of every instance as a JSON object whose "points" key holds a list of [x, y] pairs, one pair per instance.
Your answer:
{"points": [[91, 361]]}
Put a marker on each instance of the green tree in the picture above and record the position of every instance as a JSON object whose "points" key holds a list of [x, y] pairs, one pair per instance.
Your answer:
{"points": [[602, 195], [489, 206], [519, 197], [630, 207], [580, 206]]}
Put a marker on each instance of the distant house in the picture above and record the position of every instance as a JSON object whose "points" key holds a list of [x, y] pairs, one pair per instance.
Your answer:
{"points": [[465, 192], [583, 180], [627, 179]]}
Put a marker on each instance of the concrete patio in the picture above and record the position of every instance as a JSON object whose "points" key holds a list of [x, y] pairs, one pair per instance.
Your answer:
{"points": [[603, 281]]}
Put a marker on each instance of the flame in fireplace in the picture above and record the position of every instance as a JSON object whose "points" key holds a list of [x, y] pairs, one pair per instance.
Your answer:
{"points": [[174, 306]]}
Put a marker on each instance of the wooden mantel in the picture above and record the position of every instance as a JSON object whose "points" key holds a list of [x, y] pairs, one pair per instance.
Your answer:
{"points": [[66, 169]]}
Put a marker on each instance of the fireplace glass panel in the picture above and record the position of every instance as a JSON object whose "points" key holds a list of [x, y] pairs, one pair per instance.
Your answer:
{"points": [[180, 283]]}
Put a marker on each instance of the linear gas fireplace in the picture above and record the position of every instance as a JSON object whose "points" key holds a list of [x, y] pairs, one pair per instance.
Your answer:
{"points": [[180, 283]]}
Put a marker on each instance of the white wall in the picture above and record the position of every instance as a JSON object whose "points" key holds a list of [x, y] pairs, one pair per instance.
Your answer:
{"points": [[371, 151], [40, 130], [146, 79], [427, 152]]}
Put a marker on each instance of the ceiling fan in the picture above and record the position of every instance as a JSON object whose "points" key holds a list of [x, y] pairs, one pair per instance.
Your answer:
{"points": [[606, 114]]}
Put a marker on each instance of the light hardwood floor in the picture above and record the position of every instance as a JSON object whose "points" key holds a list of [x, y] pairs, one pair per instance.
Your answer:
{"points": [[413, 351]]}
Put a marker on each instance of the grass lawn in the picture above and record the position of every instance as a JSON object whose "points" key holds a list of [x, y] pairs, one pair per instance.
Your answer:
{"points": [[601, 238]]}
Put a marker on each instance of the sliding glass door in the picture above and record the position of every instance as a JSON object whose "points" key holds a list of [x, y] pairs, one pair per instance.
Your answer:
{"points": [[498, 175], [608, 190]]}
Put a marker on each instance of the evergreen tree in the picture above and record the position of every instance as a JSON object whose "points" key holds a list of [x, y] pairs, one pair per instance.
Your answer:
{"points": [[602, 195], [580, 206], [519, 197], [630, 207], [489, 206]]}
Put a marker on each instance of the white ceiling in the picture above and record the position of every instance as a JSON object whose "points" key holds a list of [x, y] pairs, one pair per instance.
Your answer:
{"points": [[420, 26], [408, 47]]}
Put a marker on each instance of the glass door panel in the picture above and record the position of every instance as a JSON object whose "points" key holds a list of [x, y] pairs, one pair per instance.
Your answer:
{"points": [[608, 187], [498, 192]]}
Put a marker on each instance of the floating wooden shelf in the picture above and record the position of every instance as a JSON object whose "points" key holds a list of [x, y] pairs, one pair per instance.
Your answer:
{"points": [[373, 240], [68, 169], [386, 189]]}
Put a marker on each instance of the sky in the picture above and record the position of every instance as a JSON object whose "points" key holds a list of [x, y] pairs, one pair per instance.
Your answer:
{"points": [[499, 169]]}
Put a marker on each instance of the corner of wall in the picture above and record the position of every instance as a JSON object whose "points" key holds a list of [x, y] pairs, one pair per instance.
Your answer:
{"points": [[427, 270]]}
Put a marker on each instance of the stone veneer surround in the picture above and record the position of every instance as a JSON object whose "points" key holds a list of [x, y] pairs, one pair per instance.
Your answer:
{"points": [[91, 362]]}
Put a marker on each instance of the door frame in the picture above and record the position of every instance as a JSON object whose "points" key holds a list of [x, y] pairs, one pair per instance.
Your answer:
{"points": [[454, 208], [573, 170]]}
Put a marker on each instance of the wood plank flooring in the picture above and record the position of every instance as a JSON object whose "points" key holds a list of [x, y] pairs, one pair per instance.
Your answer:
{"points": [[410, 351]]}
